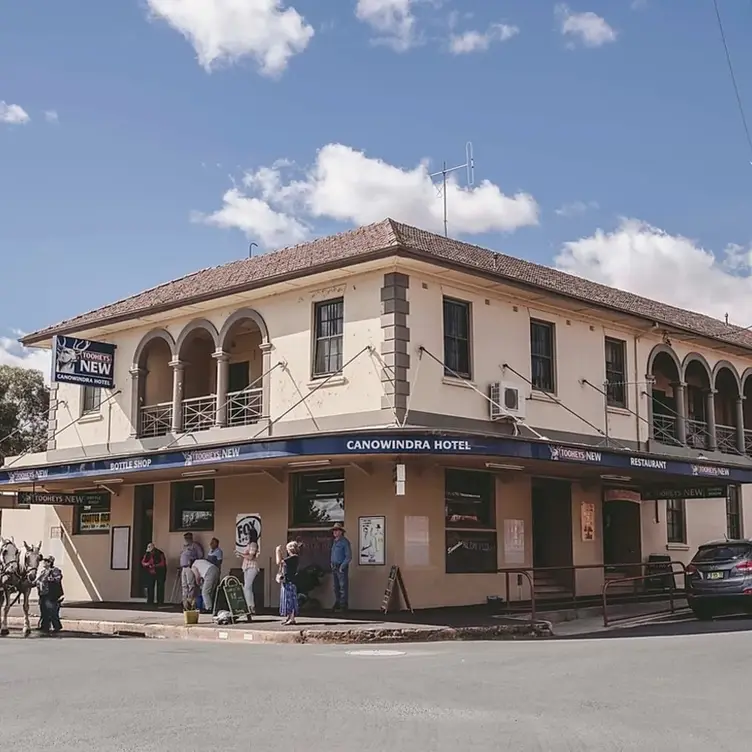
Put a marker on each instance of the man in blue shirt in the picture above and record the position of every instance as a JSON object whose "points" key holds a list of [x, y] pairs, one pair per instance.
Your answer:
{"points": [[340, 560]]}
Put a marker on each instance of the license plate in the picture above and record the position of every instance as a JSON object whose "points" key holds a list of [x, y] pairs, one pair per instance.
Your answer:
{"points": [[714, 576]]}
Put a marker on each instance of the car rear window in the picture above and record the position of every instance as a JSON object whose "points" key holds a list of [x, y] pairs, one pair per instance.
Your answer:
{"points": [[723, 552]]}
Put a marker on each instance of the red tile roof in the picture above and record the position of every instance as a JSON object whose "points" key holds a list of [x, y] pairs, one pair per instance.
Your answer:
{"points": [[389, 238]]}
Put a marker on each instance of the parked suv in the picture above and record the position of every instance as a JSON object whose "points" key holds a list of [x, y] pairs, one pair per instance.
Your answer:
{"points": [[719, 579]]}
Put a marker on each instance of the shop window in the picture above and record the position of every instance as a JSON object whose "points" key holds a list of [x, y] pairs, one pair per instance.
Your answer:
{"points": [[470, 536], [92, 518], [457, 338], [329, 318], [733, 513], [542, 356], [317, 499], [676, 521], [192, 506], [616, 372], [91, 400]]}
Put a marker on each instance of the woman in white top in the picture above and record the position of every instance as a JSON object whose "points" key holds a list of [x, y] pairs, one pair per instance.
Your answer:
{"points": [[250, 570]]}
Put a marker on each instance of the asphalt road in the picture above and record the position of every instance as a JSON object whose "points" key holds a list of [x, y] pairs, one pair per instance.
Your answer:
{"points": [[686, 692]]}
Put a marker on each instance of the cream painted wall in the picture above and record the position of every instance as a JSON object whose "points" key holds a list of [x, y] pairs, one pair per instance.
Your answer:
{"points": [[289, 320]]}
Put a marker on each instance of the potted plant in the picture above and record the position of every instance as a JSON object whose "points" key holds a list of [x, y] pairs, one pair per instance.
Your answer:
{"points": [[190, 612]]}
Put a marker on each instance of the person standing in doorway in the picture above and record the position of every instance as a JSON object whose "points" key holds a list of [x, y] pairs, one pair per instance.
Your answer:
{"points": [[190, 553], [215, 554], [154, 564], [206, 575], [341, 556], [250, 572]]}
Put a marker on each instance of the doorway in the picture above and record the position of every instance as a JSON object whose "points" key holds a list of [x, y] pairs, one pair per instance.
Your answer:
{"points": [[622, 536], [143, 530], [552, 531]]}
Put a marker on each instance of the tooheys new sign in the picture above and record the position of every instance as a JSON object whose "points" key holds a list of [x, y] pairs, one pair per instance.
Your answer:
{"points": [[83, 362], [63, 499]]}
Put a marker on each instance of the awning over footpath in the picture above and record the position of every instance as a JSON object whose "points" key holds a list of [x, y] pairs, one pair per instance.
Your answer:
{"points": [[341, 446]]}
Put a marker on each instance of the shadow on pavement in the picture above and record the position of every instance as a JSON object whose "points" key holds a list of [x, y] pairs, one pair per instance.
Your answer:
{"points": [[686, 626]]}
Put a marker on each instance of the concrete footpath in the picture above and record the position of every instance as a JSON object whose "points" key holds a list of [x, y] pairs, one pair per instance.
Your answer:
{"points": [[169, 624]]}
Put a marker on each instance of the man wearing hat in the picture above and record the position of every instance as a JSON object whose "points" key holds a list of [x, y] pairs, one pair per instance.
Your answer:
{"points": [[341, 557]]}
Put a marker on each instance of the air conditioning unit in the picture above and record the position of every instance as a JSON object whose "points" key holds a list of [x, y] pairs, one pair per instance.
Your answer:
{"points": [[507, 401]]}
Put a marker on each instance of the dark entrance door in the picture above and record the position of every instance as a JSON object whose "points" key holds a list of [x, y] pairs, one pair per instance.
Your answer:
{"points": [[552, 531], [622, 535], [143, 529]]}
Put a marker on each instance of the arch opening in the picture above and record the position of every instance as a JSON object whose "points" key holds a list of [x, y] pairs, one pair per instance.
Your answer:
{"points": [[697, 379], [726, 414], [665, 372], [242, 343], [154, 388]]}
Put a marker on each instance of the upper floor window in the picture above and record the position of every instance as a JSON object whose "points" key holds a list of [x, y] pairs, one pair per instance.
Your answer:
{"points": [[329, 317], [616, 372], [91, 400], [542, 355], [457, 338]]}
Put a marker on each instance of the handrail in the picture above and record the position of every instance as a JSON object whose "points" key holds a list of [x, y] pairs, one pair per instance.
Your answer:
{"points": [[506, 573], [608, 583]]}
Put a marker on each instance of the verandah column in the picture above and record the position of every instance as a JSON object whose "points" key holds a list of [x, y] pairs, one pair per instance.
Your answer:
{"points": [[178, 373], [223, 360], [681, 412], [137, 375], [710, 411], [740, 442]]}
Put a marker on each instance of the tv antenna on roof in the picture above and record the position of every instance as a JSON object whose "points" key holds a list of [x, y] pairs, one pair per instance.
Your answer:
{"points": [[445, 171]]}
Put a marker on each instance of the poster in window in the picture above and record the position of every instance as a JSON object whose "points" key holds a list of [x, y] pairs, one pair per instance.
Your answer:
{"points": [[417, 549], [514, 541], [471, 551], [587, 520], [372, 541], [247, 530]]}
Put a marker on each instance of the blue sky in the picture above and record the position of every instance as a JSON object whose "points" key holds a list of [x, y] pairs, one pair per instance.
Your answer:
{"points": [[143, 139]]}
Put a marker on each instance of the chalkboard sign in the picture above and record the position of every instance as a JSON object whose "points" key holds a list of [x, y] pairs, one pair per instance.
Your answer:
{"points": [[315, 547], [230, 597], [471, 552]]}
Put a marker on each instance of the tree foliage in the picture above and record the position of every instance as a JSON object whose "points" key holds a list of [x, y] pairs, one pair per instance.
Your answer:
{"points": [[24, 407]]}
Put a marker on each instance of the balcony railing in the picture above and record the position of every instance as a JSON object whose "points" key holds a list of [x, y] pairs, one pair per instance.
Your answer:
{"points": [[199, 413], [244, 407], [156, 420], [664, 429], [697, 434], [725, 437]]}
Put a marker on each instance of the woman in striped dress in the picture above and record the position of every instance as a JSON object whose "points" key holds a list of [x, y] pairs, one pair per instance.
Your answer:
{"points": [[288, 571]]}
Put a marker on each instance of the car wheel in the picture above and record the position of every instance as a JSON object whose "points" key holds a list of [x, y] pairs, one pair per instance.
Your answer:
{"points": [[702, 613]]}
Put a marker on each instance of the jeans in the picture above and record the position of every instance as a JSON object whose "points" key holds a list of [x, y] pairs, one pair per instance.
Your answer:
{"points": [[50, 610], [155, 584], [249, 575], [341, 583]]}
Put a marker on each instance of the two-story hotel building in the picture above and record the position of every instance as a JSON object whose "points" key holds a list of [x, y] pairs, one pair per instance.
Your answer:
{"points": [[487, 411]]}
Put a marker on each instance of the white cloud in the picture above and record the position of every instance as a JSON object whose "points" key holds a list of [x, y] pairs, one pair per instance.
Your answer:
{"points": [[480, 41], [588, 27], [13, 114], [392, 20], [576, 208], [51, 116], [645, 260], [347, 186], [228, 30], [14, 354]]}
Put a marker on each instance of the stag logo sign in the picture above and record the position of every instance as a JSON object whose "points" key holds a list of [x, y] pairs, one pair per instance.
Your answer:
{"points": [[84, 362]]}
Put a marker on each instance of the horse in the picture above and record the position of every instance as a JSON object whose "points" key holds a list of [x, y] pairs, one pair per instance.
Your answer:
{"points": [[18, 576]]}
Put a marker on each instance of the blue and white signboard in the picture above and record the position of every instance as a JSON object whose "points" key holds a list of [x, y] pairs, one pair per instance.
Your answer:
{"points": [[84, 362]]}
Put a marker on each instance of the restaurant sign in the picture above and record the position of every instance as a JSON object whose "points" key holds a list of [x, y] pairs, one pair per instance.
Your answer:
{"points": [[63, 499]]}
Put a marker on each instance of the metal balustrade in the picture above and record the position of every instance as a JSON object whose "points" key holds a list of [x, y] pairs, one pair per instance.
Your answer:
{"points": [[156, 420], [697, 434], [725, 437], [664, 429], [244, 407], [199, 413]]}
